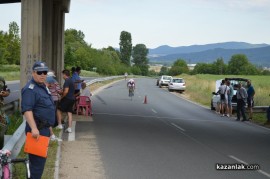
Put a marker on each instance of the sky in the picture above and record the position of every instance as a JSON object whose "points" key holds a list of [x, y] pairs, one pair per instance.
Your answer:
{"points": [[162, 22]]}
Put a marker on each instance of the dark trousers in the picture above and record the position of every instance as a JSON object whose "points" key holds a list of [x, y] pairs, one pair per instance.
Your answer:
{"points": [[241, 109], [268, 114], [37, 163]]}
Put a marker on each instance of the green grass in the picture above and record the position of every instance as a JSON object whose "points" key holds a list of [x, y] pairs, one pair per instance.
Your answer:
{"points": [[16, 120], [89, 73], [10, 76]]}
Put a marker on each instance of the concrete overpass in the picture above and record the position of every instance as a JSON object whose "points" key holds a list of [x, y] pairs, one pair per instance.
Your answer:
{"points": [[42, 34]]}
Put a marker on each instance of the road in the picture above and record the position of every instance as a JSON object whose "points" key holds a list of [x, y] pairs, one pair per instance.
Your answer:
{"points": [[170, 137]]}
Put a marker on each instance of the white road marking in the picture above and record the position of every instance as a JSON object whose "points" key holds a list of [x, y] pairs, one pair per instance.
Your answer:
{"points": [[15, 91], [238, 160], [178, 127], [241, 161], [71, 136], [154, 111]]}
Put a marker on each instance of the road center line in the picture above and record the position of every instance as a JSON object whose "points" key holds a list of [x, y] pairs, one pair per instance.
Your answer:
{"points": [[241, 161], [178, 127]]}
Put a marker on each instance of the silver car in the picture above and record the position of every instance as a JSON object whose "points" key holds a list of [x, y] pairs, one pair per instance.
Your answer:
{"points": [[177, 84], [164, 80]]}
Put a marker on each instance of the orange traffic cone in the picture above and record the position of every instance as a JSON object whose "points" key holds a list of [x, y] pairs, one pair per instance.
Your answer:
{"points": [[145, 100]]}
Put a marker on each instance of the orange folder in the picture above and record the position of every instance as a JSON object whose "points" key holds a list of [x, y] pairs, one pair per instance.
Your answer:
{"points": [[35, 146]]}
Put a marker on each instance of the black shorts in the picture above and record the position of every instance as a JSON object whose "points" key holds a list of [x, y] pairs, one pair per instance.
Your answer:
{"points": [[66, 105], [250, 102]]}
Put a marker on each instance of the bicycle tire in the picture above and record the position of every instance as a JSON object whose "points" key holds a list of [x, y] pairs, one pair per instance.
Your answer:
{"points": [[26, 164]]}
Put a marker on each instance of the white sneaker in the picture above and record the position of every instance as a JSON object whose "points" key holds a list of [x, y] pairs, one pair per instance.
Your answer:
{"points": [[54, 138], [68, 130], [59, 126]]}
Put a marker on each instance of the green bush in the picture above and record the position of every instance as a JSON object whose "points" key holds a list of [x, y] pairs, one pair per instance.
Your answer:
{"points": [[10, 68]]}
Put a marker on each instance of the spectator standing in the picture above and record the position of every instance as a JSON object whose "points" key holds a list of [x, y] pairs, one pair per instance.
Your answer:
{"points": [[241, 102], [230, 95], [77, 80], [268, 116], [67, 101], [250, 99], [223, 91], [38, 108], [55, 91], [4, 92]]}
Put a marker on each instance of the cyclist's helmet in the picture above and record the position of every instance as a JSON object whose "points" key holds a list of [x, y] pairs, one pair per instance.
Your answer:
{"points": [[131, 81]]}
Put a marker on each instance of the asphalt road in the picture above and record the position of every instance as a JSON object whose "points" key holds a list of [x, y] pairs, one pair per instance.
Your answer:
{"points": [[170, 137]]}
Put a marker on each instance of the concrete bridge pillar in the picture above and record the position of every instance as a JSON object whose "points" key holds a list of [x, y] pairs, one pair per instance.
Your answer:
{"points": [[31, 37], [42, 35]]}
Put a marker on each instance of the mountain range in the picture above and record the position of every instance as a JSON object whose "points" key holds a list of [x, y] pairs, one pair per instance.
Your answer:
{"points": [[258, 54]]}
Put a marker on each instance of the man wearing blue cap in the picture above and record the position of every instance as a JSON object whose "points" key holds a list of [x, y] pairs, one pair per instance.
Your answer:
{"points": [[38, 108]]}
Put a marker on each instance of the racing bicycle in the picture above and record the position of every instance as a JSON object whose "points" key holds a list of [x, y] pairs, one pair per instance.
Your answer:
{"points": [[131, 92], [5, 172]]}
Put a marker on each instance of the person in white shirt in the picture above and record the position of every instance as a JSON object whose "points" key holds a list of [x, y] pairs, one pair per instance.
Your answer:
{"points": [[223, 91], [85, 91]]}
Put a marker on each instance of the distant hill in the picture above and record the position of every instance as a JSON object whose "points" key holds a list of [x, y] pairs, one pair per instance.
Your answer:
{"points": [[258, 54]]}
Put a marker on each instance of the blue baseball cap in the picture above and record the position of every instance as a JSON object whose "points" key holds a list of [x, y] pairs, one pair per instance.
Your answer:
{"points": [[40, 66], [50, 79]]}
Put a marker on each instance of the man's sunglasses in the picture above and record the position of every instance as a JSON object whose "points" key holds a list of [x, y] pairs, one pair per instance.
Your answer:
{"points": [[42, 72]]}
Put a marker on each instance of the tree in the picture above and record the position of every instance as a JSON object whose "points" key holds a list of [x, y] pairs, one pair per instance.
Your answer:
{"points": [[3, 51], [179, 67], [125, 47], [218, 67], [238, 64], [139, 55], [13, 44], [202, 68], [110, 48], [76, 49], [163, 71]]}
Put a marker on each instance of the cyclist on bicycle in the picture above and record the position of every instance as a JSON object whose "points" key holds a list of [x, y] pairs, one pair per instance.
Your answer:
{"points": [[126, 74], [131, 83], [131, 87]]}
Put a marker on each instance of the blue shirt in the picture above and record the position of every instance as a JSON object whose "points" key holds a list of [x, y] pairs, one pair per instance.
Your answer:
{"points": [[37, 98], [250, 92], [75, 77]]}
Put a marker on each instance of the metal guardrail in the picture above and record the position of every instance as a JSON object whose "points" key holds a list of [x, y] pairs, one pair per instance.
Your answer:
{"points": [[16, 141], [260, 109]]}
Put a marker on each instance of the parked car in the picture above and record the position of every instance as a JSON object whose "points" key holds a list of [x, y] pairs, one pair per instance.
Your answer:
{"points": [[177, 84], [234, 82], [158, 79], [164, 80]]}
